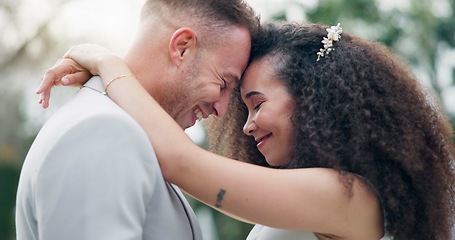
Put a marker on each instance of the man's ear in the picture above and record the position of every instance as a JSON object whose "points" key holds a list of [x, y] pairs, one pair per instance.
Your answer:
{"points": [[182, 42]]}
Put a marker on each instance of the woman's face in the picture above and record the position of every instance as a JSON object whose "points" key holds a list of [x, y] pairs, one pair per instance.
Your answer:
{"points": [[270, 108]]}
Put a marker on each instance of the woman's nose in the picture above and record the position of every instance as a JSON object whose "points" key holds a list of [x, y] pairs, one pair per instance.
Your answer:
{"points": [[249, 127]]}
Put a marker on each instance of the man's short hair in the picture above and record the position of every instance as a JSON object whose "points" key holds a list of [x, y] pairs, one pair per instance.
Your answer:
{"points": [[210, 17]]}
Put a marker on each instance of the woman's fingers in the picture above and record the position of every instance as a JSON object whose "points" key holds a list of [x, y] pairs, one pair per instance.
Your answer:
{"points": [[53, 75], [44, 98], [65, 72], [76, 79]]}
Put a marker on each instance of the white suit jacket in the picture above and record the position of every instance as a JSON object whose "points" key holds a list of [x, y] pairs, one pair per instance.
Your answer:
{"points": [[92, 174]]}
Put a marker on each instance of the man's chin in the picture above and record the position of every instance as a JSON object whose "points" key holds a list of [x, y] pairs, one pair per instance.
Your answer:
{"points": [[186, 123]]}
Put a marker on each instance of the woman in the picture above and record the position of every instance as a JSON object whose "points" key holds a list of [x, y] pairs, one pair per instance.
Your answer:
{"points": [[349, 144]]}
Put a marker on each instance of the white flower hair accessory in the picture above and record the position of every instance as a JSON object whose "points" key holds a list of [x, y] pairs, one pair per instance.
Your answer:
{"points": [[333, 35]]}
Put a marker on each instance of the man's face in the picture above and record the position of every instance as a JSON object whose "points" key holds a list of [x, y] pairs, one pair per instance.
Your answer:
{"points": [[203, 86]]}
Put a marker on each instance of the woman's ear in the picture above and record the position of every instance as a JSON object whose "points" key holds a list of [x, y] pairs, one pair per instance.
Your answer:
{"points": [[182, 42]]}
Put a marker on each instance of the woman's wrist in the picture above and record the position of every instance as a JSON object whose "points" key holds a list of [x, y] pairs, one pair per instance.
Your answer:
{"points": [[106, 86], [111, 68]]}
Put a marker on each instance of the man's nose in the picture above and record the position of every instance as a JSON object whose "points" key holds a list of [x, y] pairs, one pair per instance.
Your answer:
{"points": [[220, 107]]}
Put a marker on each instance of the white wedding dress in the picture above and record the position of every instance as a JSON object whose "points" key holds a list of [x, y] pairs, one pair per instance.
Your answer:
{"points": [[260, 232]]}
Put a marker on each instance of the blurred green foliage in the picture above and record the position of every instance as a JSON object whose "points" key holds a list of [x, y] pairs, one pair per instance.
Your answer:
{"points": [[9, 175], [226, 227]]}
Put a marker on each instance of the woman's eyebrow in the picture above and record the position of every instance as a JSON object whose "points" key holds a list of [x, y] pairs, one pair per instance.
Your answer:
{"points": [[252, 93]]}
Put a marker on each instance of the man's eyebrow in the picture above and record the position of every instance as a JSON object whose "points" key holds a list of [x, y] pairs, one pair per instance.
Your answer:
{"points": [[252, 93], [235, 79]]}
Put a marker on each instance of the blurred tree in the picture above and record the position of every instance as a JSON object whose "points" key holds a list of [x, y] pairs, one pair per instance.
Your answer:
{"points": [[9, 175], [13, 146], [23, 43]]}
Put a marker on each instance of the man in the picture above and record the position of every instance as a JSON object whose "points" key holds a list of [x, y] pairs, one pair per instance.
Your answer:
{"points": [[91, 172]]}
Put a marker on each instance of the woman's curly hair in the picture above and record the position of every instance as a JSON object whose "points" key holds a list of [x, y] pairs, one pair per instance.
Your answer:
{"points": [[359, 110]]}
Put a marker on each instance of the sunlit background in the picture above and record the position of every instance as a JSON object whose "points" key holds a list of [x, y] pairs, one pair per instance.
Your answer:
{"points": [[35, 33]]}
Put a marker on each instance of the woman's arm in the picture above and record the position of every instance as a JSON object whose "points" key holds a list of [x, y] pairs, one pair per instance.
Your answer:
{"points": [[311, 199]]}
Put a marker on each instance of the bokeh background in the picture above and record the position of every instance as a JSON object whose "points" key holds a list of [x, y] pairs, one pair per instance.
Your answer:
{"points": [[35, 33]]}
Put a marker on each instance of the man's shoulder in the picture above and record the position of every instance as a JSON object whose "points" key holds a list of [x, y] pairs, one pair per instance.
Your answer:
{"points": [[88, 103], [92, 115], [89, 106], [89, 122]]}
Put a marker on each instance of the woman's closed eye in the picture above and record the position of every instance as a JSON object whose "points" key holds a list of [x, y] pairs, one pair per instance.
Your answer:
{"points": [[257, 106]]}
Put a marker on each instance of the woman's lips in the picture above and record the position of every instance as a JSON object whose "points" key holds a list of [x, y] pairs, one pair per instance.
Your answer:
{"points": [[261, 141]]}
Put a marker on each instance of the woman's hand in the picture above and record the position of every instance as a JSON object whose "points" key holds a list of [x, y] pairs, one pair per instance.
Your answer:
{"points": [[76, 67], [66, 72]]}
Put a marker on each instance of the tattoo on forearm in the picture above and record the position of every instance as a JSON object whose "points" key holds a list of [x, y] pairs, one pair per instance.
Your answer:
{"points": [[219, 198]]}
